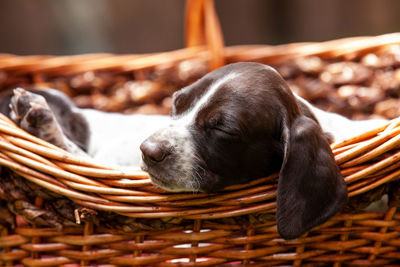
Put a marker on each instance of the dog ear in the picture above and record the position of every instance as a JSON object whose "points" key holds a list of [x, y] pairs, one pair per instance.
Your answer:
{"points": [[310, 187]]}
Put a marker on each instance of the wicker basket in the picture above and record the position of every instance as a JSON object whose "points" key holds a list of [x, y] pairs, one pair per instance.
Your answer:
{"points": [[146, 226]]}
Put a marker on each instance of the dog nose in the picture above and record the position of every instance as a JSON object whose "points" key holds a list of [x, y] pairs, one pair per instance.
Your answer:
{"points": [[153, 152]]}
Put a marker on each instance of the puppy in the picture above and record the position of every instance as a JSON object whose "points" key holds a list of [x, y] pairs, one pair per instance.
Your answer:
{"points": [[235, 124]]}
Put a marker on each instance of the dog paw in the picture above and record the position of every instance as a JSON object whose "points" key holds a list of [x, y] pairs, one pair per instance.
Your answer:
{"points": [[30, 111]]}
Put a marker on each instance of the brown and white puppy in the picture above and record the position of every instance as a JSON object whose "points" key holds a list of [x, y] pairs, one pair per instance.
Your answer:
{"points": [[236, 124], [242, 122]]}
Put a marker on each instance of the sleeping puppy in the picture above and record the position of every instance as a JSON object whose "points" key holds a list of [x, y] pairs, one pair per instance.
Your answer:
{"points": [[236, 124]]}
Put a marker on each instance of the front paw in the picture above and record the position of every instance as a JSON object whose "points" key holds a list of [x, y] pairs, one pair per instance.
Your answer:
{"points": [[30, 111]]}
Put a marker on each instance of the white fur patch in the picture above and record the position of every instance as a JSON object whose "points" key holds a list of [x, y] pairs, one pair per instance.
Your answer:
{"points": [[189, 116]]}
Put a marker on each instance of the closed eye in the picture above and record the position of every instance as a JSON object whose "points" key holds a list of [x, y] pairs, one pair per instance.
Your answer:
{"points": [[224, 131], [222, 127]]}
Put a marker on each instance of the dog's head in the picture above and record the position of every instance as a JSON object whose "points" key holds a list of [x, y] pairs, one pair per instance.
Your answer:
{"points": [[239, 123]]}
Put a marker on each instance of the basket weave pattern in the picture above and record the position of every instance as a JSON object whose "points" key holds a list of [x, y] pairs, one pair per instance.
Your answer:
{"points": [[125, 220]]}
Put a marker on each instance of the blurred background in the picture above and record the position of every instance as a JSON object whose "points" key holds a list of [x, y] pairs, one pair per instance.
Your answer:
{"points": [[66, 27]]}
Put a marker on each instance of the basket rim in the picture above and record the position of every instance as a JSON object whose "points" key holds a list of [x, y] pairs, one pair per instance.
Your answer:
{"points": [[347, 48]]}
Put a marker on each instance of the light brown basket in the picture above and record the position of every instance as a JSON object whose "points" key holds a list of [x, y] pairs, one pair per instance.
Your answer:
{"points": [[235, 227]]}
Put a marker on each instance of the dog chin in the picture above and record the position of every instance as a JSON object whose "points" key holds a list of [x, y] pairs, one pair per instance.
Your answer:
{"points": [[197, 180], [171, 187]]}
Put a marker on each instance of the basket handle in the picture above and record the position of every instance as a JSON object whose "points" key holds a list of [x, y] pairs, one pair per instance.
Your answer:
{"points": [[202, 28]]}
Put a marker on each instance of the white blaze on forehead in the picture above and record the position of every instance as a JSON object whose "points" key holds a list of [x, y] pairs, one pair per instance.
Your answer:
{"points": [[190, 115]]}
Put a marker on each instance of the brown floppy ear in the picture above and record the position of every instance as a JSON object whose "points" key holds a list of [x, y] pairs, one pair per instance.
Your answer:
{"points": [[310, 187]]}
